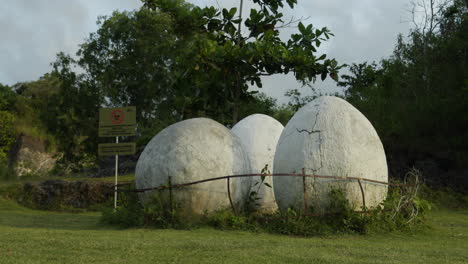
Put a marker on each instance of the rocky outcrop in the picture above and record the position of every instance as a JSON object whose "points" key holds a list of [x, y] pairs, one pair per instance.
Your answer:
{"points": [[29, 156]]}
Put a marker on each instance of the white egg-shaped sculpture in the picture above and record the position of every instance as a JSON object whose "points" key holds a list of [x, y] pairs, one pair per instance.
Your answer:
{"points": [[329, 137], [193, 150], [259, 135]]}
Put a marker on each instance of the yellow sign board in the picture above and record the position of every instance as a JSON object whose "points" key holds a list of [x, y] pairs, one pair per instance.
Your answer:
{"points": [[111, 149], [120, 121]]}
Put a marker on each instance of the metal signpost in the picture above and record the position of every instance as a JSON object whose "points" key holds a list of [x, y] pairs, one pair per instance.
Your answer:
{"points": [[115, 122]]}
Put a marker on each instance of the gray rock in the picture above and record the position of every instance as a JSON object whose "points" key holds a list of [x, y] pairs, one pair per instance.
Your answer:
{"points": [[29, 157], [259, 135], [329, 137], [193, 150]]}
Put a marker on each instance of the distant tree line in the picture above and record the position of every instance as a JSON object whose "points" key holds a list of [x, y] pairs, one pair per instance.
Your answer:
{"points": [[176, 61], [173, 61], [417, 99]]}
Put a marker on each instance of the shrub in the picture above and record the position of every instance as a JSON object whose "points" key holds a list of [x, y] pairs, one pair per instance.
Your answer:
{"points": [[157, 213], [403, 209], [129, 213], [444, 197], [6, 172], [7, 133], [400, 211]]}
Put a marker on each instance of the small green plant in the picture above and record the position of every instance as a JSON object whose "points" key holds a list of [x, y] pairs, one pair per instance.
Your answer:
{"points": [[253, 198], [159, 211], [6, 172], [341, 215], [403, 209], [162, 212], [291, 222], [129, 213], [226, 219]]}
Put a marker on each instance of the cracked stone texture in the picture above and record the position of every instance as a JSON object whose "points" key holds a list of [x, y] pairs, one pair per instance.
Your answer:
{"points": [[259, 135], [329, 137], [193, 150], [29, 156]]}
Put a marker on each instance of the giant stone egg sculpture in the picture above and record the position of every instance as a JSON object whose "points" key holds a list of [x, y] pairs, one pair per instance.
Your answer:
{"points": [[329, 137], [193, 150], [259, 135]]}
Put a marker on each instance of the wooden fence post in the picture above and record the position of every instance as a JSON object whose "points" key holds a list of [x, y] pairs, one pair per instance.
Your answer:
{"points": [[363, 196], [229, 194], [170, 193], [305, 190]]}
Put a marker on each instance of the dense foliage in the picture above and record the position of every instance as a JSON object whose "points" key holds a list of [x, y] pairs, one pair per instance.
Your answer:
{"points": [[21, 109], [222, 61], [7, 119], [176, 61], [403, 210], [418, 98]]}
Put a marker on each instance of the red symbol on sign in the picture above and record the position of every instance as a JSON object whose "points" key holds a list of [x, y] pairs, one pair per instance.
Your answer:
{"points": [[117, 116]]}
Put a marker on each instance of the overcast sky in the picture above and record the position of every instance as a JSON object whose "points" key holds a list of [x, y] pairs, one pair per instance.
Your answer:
{"points": [[34, 31]]}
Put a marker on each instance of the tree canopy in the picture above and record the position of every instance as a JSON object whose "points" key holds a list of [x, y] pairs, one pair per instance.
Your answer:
{"points": [[7, 119], [174, 61], [418, 98], [226, 61]]}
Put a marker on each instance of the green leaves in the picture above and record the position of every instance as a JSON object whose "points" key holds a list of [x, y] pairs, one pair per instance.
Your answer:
{"points": [[302, 28], [210, 12], [230, 28], [422, 86], [7, 98], [176, 61], [228, 15], [7, 133], [323, 76], [291, 3]]}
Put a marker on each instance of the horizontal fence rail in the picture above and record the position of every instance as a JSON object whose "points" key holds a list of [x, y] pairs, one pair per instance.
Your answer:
{"points": [[169, 186], [163, 187]]}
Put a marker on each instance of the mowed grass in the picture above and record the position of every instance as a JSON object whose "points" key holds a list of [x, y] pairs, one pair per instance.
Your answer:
{"points": [[30, 236]]}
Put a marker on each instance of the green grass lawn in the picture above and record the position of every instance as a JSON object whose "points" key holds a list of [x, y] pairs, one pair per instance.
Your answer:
{"points": [[29, 236]]}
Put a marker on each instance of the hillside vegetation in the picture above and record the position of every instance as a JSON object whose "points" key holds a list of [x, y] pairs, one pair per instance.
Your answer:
{"points": [[417, 98]]}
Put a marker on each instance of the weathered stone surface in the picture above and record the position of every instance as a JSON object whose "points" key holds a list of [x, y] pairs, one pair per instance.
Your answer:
{"points": [[259, 135], [330, 137], [193, 150], [29, 156]]}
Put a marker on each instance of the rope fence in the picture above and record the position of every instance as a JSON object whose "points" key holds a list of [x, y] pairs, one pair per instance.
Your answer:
{"points": [[171, 186]]}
